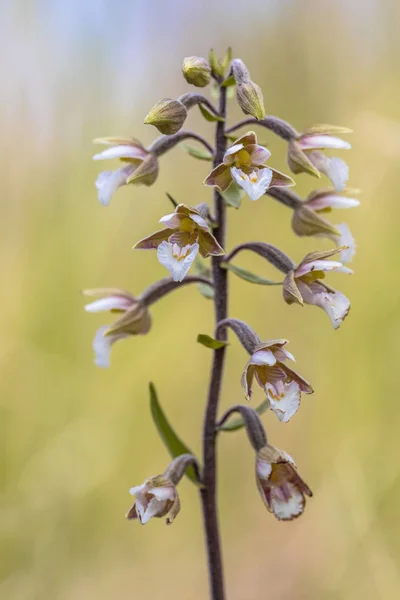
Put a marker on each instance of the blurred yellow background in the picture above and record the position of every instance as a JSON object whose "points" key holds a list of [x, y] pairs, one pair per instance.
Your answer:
{"points": [[75, 437]]}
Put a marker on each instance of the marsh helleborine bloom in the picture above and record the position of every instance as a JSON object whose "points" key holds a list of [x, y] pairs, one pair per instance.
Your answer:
{"points": [[140, 166], [303, 285], [244, 162], [304, 154], [282, 385], [308, 219], [186, 234], [135, 319], [156, 497], [281, 487]]}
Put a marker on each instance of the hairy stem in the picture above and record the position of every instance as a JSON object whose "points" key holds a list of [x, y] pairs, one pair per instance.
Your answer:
{"points": [[165, 142], [208, 492], [282, 128]]}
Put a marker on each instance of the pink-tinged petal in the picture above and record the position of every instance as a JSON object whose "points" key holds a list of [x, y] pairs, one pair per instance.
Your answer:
{"points": [[320, 142], [346, 239], [263, 469], [163, 493], [109, 303], [138, 489], [263, 357], [219, 177], [287, 406], [334, 303], [255, 184], [281, 180], [231, 151], [282, 354], [129, 152], [176, 259], [290, 508], [153, 508], [331, 201], [258, 154], [338, 173], [200, 222], [102, 346], [317, 265], [209, 245], [172, 221], [108, 182], [154, 240]]}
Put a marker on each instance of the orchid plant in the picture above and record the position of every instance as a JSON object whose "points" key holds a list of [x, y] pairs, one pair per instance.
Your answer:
{"points": [[192, 234]]}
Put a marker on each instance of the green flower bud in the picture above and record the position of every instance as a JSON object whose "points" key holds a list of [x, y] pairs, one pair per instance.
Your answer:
{"points": [[250, 99], [196, 71], [167, 115]]}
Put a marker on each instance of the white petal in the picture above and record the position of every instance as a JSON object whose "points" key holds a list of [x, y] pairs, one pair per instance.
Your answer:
{"points": [[318, 265], [108, 182], [120, 152], [256, 184], [169, 256], [332, 201], [334, 303], [288, 509], [263, 469], [172, 221], [338, 173], [309, 142], [346, 239], [263, 357], [232, 150], [109, 303], [288, 405], [102, 346], [163, 493], [198, 219], [138, 489], [153, 508]]}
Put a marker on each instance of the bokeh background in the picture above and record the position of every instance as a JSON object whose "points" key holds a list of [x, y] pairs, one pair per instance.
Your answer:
{"points": [[74, 437]]}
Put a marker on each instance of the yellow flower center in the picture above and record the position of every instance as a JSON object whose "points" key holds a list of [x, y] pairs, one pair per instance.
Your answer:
{"points": [[242, 158], [187, 225]]}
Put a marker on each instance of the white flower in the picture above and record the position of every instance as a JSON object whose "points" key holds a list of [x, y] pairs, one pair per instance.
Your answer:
{"points": [[177, 259], [255, 184], [156, 497]]}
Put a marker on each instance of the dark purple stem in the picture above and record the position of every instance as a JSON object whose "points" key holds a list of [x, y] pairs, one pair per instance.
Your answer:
{"points": [[278, 126], [208, 492]]}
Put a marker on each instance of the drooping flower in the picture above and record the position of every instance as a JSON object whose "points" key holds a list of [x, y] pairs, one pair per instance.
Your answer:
{"points": [[282, 385], [304, 285], [156, 497], [308, 219], [282, 489], [186, 233], [245, 163], [140, 166], [134, 320], [304, 154]]}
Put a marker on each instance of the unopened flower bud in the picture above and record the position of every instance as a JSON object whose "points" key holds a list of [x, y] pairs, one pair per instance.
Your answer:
{"points": [[306, 222], [196, 71], [250, 99], [167, 115]]}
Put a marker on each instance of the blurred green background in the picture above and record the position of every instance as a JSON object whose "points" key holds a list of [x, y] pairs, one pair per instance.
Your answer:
{"points": [[75, 437]]}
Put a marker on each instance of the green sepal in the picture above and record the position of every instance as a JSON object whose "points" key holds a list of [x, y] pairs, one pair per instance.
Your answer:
{"points": [[173, 443], [197, 152], [238, 423], [233, 195], [210, 342], [209, 116], [247, 276]]}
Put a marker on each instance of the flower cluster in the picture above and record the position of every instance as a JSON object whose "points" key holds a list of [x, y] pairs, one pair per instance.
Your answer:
{"points": [[199, 232]]}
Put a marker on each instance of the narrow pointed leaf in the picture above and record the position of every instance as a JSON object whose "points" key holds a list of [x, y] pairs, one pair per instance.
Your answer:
{"points": [[238, 423], [209, 116], [229, 81], [247, 276], [197, 152], [210, 342], [173, 443]]}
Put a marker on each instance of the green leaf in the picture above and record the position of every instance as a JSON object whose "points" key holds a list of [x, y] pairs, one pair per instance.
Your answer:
{"points": [[247, 276], [206, 290], [173, 443], [209, 116], [233, 195], [235, 424], [197, 152], [210, 342], [229, 81], [204, 271]]}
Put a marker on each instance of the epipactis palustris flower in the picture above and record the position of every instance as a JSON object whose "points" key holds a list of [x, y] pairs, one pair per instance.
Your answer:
{"points": [[156, 497], [244, 163], [303, 285], [140, 166], [134, 320], [282, 489], [282, 385], [186, 233], [304, 154], [320, 203]]}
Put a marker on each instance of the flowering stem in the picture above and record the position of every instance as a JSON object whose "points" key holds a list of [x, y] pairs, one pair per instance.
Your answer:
{"points": [[165, 142], [278, 126], [285, 196], [208, 492]]}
